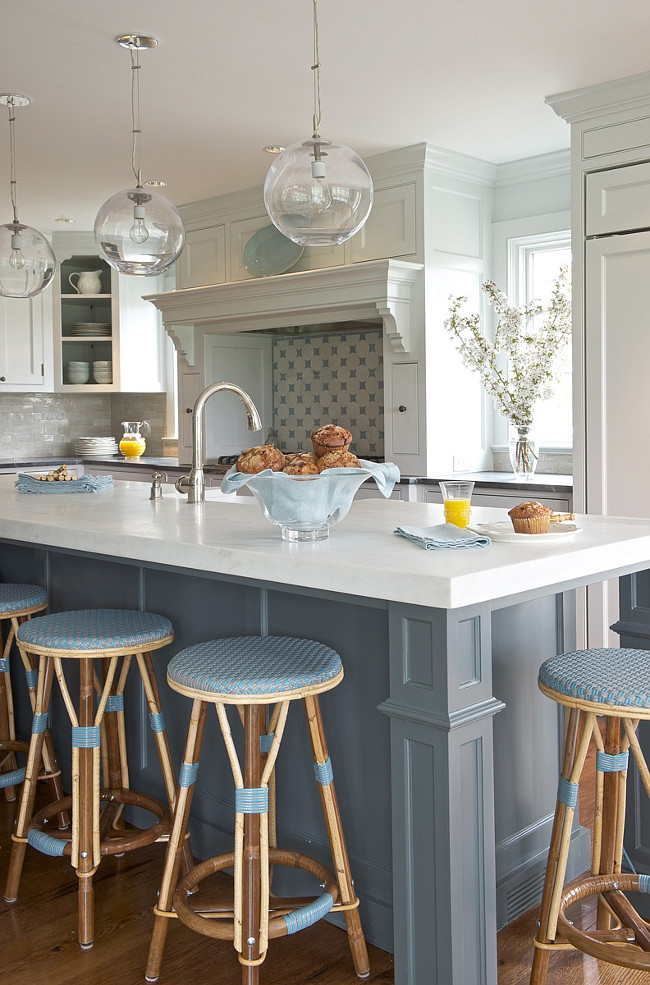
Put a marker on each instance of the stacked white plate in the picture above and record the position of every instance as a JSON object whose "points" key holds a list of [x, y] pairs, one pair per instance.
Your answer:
{"points": [[83, 329], [95, 447]]}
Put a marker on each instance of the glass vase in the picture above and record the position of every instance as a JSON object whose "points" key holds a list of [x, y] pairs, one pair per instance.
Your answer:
{"points": [[523, 452]]}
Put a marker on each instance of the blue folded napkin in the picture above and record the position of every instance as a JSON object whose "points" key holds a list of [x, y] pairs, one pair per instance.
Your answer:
{"points": [[84, 484], [445, 536]]}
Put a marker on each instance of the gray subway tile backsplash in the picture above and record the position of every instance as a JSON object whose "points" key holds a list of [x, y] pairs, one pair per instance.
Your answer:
{"points": [[46, 424]]}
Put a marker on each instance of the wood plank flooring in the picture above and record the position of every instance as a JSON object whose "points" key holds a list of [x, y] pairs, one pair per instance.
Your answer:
{"points": [[38, 935]]}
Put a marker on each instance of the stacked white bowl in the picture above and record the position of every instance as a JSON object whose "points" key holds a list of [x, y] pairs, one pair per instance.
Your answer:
{"points": [[103, 371], [78, 372], [97, 447]]}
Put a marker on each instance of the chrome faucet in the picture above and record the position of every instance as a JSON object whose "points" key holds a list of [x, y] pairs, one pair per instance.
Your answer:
{"points": [[194, 483]]}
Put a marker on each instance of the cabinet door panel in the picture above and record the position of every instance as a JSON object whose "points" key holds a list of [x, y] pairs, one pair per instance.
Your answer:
{"points": [[203, 260], [246, 361], [21, 342], [390, 230], [403, 414], [618, 200]]}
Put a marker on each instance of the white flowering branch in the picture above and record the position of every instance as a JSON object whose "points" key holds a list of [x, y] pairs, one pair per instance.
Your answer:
{"points": [[531, 348]]}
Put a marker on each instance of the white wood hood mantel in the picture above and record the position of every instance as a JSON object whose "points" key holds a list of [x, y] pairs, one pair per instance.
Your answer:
{"points": [[365, 290]]}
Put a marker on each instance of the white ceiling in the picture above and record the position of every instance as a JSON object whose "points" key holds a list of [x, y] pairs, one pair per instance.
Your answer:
{"points": [[230, 76]]}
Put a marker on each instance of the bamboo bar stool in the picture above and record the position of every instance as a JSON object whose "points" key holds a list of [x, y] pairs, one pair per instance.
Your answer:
{"points": [[258, 675], [112, 637], [17, 604], [614, 684]]}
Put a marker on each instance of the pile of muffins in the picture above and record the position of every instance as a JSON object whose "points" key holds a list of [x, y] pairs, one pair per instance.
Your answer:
{"points": [[331, 450]]}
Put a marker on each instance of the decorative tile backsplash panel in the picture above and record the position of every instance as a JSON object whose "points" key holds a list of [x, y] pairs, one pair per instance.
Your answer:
{"points": [[46, 424], [333, 378]]}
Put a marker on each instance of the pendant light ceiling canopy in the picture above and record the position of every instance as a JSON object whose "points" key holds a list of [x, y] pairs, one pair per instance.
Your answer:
{"points": [[318, 192], [27, 261], [138, 231]]}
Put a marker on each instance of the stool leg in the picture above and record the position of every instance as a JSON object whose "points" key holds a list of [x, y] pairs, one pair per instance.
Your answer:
{"points": [[251, 910], [150, 684], [7, 730], [576, 743], [28, 795], [177, 840], [332, 816], [84, 815]]}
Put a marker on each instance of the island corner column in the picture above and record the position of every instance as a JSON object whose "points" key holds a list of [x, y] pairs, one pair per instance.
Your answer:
{"points": [[441, 709]]}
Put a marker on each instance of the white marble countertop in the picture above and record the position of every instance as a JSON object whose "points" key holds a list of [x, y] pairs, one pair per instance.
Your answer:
{"points": [[362, 556]]}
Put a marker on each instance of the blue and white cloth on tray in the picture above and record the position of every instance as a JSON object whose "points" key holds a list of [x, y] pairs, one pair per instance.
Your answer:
{"points": [[84, 484], [444, 536]]}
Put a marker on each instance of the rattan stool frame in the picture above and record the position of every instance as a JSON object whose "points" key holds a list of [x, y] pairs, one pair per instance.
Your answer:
{"points": [[621, 936], [99, 746], [10, 774], [256, 915]]}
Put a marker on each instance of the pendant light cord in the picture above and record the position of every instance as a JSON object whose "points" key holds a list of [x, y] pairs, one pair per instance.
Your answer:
{"points": [[12, 154], [316, 70], [135, 116]]}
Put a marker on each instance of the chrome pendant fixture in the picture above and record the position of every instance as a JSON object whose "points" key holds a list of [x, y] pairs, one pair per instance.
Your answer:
{"points": [[138, 231], [318, 192], [27, 261]]}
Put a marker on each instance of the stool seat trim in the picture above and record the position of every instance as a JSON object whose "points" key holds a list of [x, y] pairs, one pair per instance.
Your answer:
{"points": [[602, 676], [95, 629], [15, 598], [309, 914], [254, 665], [45, 843]]}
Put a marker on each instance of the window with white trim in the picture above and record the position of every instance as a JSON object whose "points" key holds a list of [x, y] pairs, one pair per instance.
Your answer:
{"points": [[534, 263]]}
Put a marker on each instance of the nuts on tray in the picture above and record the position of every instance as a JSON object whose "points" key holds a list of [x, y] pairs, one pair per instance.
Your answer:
{"points": [[58, 475]]}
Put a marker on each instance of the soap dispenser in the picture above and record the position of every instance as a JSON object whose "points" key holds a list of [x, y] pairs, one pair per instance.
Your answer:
{"points": [[156, 485]]}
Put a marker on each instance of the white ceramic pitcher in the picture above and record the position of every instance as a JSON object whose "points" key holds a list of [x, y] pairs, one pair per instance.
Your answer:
{"points": [[88, 282]]}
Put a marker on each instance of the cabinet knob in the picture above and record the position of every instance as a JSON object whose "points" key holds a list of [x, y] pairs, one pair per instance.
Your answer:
{"points": [[3, 379], [401, 409], [188, 410]]}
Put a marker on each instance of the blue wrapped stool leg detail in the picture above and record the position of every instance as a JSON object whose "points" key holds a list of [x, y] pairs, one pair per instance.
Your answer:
{"points": [[613, 684], [102, 643], [18, 603], [258, 675]]}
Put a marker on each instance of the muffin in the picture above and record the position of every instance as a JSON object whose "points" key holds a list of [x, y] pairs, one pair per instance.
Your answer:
{"points": [[301, 456], [297, 466], [330, 437], [338, 460], [257, 459], [530, 518]]}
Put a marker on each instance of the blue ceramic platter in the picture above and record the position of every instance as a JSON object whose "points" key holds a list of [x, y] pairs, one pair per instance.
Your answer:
{"points": [[268, 252]]}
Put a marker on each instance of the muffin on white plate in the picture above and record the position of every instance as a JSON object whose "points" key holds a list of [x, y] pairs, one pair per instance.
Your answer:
{"points": [[530, 518]]}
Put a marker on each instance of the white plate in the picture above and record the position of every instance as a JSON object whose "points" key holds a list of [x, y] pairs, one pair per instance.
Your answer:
{"points": [[502, 531]]}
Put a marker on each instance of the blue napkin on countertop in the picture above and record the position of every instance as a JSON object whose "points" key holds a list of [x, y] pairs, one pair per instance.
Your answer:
{"points": [[84, 484], [444, 536]]}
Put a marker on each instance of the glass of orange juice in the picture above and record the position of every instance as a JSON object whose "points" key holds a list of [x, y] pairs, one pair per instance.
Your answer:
{"points": [[457, 498]]}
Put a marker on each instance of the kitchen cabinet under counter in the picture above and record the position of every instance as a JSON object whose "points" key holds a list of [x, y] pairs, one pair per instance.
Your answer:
{"points": [[503, 490]]}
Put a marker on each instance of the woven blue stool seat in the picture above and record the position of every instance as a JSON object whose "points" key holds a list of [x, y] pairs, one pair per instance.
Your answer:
{"points": [[16, 598], [255, 666], [95, 629], [613, 677]]}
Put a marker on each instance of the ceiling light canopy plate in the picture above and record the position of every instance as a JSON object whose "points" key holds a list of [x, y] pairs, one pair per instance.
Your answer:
{"points": [[13, 99], [139, 41]]}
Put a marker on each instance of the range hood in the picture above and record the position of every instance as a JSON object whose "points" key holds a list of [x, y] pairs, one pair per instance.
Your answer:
{"points": [[375, 289]]}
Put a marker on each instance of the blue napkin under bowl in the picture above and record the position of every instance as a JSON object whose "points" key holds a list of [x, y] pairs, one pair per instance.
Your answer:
{"points": [[444, 536]]}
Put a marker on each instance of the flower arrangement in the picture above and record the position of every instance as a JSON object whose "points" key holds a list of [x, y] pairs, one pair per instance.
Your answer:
{"points": [[531, 349]]}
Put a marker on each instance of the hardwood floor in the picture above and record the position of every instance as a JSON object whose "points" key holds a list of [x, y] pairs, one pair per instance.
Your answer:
{"points": [[38, 935]]}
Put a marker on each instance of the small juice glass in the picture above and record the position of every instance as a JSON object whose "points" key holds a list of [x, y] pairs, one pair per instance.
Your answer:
{"points": [[457, 498]]}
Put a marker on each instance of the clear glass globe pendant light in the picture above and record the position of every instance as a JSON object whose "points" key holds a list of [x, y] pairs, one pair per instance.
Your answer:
{"points": [[318, 193], [138, 231], [27, 261]]}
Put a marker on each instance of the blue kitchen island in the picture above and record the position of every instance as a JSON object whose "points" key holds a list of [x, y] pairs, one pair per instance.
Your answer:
{"points": [[444, 752]]}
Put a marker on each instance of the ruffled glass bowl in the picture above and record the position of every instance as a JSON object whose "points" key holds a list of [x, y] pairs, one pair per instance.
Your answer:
{"points": [[306, 506]]}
